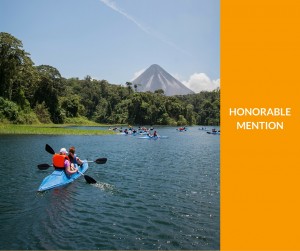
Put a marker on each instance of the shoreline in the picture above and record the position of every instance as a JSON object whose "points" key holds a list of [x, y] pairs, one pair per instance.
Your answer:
{"points": [[50, 129]]}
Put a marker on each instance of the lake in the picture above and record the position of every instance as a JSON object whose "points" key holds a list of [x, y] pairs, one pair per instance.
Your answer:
{"points": [[151, 194]]}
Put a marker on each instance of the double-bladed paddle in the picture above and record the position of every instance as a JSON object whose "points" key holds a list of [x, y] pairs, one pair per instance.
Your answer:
{"points": [[50, 150]]}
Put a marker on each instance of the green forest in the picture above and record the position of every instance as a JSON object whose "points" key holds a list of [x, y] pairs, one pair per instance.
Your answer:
{"points": [[32, 94]]}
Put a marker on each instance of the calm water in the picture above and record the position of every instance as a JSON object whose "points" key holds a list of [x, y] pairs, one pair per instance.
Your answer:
{"points": [[150, 195]]}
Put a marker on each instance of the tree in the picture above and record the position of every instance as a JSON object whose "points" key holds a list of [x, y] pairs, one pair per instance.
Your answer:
{"points": [[71, 105], [160, 91], [42, 113], [190, 114], [134, 108], [129, 84], [17, 75], [50, 87], [8, 110], [174, 107], [181, 120], [102, 108]]}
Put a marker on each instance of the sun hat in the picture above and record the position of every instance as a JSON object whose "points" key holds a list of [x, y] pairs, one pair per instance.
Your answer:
{"points": [[63, 150]]}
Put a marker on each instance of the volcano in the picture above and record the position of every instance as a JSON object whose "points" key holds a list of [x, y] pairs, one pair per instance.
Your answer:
{"points": [[155, 77]]}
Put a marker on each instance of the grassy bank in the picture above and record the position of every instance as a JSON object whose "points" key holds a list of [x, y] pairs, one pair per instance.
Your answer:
{"points": [[50, 130]]}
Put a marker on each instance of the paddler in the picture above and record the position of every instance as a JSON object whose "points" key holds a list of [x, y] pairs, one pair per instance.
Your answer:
{"points": [[62, 161], [73, 157]]}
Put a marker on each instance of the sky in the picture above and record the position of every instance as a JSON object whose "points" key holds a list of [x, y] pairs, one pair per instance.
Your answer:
{"points": [[116, 40]]}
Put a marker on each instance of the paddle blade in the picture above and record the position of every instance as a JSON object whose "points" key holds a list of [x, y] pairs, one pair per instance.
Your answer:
{"points": [[49, 149], [43, 166], [89, 179], [101, 160]]}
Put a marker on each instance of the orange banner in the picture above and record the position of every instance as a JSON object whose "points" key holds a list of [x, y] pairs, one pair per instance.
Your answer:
{"points": [[260, 169]]}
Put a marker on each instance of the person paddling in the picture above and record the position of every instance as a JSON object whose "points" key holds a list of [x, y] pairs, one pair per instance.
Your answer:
{"points": [[62, 161], [73, 157]]}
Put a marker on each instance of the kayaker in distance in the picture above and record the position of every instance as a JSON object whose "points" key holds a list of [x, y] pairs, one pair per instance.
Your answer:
{"points": [[62, 161], [73, 157], [151, 136]]}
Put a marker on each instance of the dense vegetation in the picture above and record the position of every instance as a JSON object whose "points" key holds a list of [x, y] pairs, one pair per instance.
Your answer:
{"points": [[39, 94]]}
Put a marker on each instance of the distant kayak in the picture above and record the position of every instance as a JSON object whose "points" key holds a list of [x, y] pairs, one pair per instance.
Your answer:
{"points": [[143, 133], [216, 133], [126, 134], [154, 137], [59, 178]]}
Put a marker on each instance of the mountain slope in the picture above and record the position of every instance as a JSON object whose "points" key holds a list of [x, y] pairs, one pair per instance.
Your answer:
{"points": [[155, 78]]}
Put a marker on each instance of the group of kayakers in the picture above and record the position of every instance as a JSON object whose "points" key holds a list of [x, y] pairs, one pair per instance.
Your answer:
{"points": [[130, 130], [66, 161]]}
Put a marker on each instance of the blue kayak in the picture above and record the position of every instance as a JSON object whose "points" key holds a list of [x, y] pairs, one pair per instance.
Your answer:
{"points": [[215, 133], [59, 178]]}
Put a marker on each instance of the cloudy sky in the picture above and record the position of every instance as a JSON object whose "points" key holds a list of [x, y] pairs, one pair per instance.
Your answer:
{"points": [[116, 40]]}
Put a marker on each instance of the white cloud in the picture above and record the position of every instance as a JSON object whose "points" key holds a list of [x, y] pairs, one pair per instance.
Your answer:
{"points": [[201, 82]]}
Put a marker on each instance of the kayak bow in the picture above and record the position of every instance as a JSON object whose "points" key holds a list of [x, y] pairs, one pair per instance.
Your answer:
{"points": [[59, 178]]}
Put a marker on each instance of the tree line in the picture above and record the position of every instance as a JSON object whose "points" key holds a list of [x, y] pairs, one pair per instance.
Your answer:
{"points": [[39, 94]]}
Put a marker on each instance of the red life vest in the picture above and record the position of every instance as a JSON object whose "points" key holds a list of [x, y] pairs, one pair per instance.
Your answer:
{"points": [[58, 160]]}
